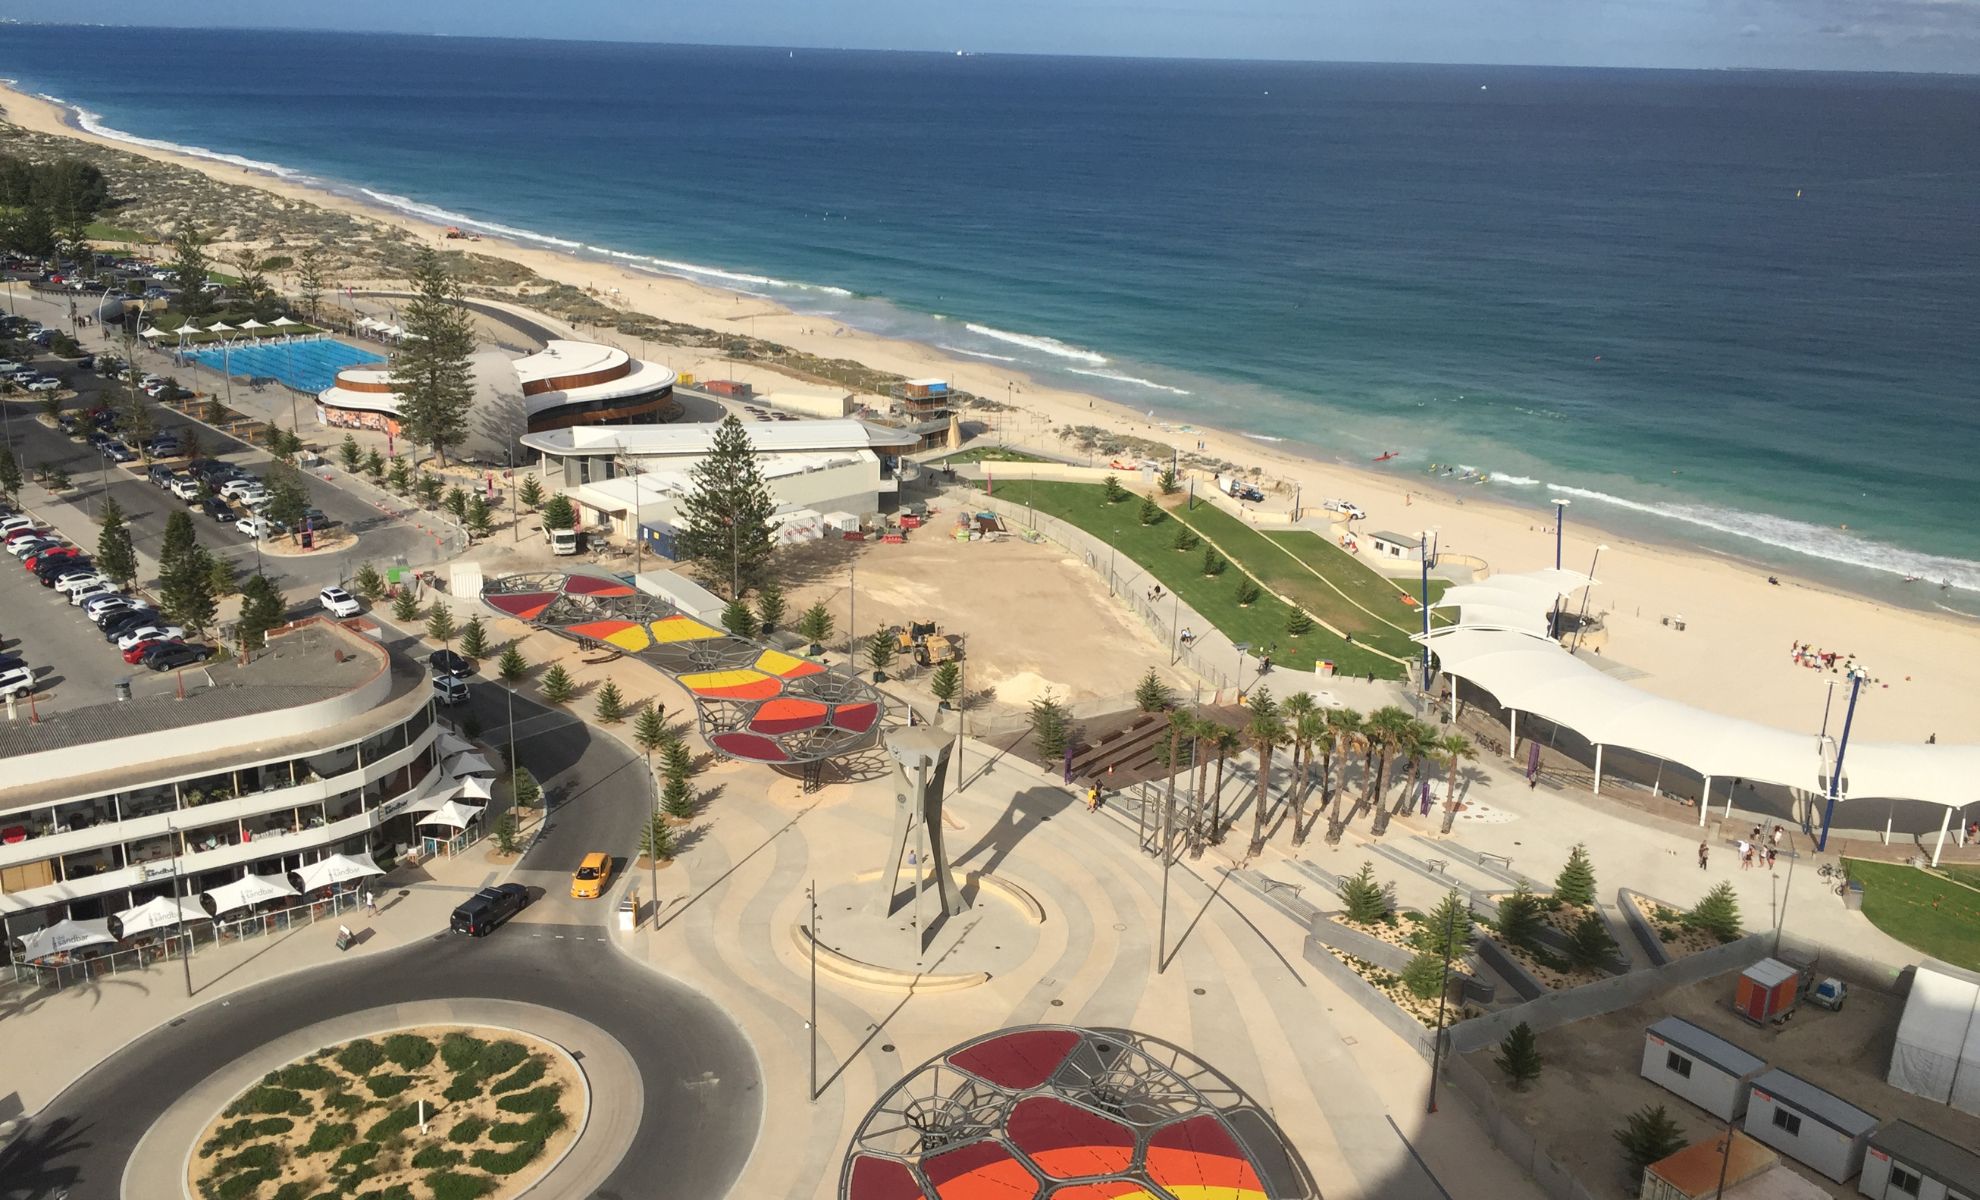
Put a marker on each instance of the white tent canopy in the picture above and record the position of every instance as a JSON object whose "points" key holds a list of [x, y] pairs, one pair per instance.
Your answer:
{"points": [[452, 743], [250, 890], [453, 814], [160, 912], [152, 332], [1492, 616], [1937, 1054], [251, 323], [474, 787], [64, 935], [336, 869], [220, 327], [283, 322], [469, 764]]}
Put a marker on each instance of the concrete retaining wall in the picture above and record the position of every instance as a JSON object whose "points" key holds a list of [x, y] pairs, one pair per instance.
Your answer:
{"points": [[1386, 955], [1555, 1181], [1400, 1023], [1640, 927], [1508, 968]]}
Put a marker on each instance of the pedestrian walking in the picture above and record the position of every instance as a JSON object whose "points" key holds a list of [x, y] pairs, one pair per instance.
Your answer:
{"points": [[1745, 854], [1093, 797], [1704, 852], [1771, 854], [370, 903], [1776, 836]]}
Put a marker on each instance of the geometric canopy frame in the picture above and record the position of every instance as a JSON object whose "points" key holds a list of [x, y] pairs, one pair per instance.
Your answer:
{"points": [[1054, 1112], [752, 701]]}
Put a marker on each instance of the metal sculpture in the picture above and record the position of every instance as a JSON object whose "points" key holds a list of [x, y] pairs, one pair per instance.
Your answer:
{"points": [[921, 763]]}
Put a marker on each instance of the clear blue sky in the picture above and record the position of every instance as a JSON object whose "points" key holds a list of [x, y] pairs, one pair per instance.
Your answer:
{"points": [[1902, 35]]}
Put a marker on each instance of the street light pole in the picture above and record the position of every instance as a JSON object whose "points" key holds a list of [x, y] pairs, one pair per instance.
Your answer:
{"points": [[811, 894], [185, 943], [1423, 554], [1835, 772], [1443, 994], [1560, 517]]}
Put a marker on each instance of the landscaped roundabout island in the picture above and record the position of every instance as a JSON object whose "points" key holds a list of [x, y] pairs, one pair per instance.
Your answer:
{"points": [[499, 1109]]}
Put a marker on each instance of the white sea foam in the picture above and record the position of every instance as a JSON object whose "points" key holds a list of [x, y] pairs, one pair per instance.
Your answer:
{"points": [[1263, 437], [1043, 345], [442, 216], [1117, 377], [1816, 541], [971, 353], [1515, 480], [668, 266], [93, 123]]}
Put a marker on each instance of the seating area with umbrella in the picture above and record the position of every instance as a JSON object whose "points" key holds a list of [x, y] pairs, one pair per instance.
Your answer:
{"points": [[245, 892], [333, 871], [450, 829], [53, 944]]}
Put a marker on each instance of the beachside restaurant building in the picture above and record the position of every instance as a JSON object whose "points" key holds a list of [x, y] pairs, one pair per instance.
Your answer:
{"points": [[320, 747]]}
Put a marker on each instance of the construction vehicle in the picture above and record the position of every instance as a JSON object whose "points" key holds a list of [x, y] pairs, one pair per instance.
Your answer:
{"points": [[929, 646], [562, 541]]}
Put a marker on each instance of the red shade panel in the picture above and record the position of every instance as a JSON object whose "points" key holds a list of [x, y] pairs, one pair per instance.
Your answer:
{"points": [[882, 1179], [750, 747], [979, 1171], [787, 716], [1067, 1141], [595, 585], [1017, 1060], [599, 630], [855, 718], [1198, 1154], [524, 605]]}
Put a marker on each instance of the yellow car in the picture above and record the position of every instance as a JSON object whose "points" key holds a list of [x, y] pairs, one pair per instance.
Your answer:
{"points": [[588, 883]]}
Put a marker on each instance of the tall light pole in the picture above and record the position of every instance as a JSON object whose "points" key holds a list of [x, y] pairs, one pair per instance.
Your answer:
{"points": [[1443, 994], [653, 860], [1835, 772], [1423, 554], [811, 894], [1560, 517], [185, 943]]}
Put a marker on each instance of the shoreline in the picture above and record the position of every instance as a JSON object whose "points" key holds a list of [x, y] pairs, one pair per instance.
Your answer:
{"points": [[1725, 597]]}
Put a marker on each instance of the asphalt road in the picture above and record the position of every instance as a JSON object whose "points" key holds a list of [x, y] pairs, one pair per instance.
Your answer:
{"points": [[702, 1090]]}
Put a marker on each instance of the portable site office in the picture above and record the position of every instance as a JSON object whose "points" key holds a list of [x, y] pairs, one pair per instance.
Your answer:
{"points": [[1808, 1124], [1703, 1068], [1906, 1163]]}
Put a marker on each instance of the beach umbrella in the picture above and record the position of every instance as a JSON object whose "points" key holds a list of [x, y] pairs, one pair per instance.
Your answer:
{"points": [[189, 327], [453, 814], [219, 327], [251, 323], [61, 936], [244, 892], [468, 764], [160, 912], [283, 322], [152, 332], [337, 868]]}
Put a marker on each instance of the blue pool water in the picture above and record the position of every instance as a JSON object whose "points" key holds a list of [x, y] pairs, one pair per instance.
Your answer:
{"points": [[304, 366]]}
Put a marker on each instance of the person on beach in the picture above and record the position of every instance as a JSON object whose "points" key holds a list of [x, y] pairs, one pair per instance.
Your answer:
{"points": [[1704, 852]]}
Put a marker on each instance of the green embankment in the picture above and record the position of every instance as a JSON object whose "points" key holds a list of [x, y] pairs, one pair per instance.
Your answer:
{"points": [[1924, 910]]}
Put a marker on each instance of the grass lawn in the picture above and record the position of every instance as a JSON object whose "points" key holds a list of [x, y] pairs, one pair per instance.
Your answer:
{"points": [[104, 231], [1924, 911], [1215, 596], [990, 454]]}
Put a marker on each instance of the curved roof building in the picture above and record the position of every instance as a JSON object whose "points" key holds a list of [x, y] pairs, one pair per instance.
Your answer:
{"points": [[1061, 1113], [566, 383]]}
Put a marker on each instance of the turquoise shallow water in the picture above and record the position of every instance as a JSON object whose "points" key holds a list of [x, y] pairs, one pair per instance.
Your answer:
{"points": [[1728, 309]]}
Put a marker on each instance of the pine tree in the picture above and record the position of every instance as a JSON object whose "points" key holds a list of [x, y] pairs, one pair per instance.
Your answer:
{"points": [[429, 489], [349, 454], [506, 836], [679, 759], [309, 278], [480, 519], [1424, 976], [650, 729], [399, 478], [1152, 694], [1186, 539], [1247, 593], [1576, 882], [261, 611], [431, 372], [1362, 899], [10, 473], [1589, 945], [188, 269], [881, 649], [770, 605], [557, 685], [677, 798], [1151, 512], [656, 840], [1519, 1056], [611, 706], [456, 502], [728, 533], [1452, 914], [1112, 489], [1649, 1135], [116, 558], [179, 539], [288, 497], [369, 583], [511, 667], [815, 626], [1168, 481], [374, 463], [529, 793], [440, 623], [474, 639], [1213, 563], [1051, 727], [1298, 623], [946, 682], [223, 575], [530, 493], [1717, 913], [406, 607], [558, 512], [186, 589], [1519, 918], [738, 619]]}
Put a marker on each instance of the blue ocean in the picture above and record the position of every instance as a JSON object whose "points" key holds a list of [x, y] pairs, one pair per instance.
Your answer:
{"points": [[1727, 309]]}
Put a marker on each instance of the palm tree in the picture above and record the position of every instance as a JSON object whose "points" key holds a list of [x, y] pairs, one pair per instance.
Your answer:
{"points": [[1384, 732], [1344, 726], [1225, 741], [1454, 748], [1309, 730], [1419, 743], [1266, 731], [1205, 733], [1297, 705]]}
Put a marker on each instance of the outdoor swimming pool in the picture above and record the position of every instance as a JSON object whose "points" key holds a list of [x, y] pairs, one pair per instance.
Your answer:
{"points": [[308, 366]]}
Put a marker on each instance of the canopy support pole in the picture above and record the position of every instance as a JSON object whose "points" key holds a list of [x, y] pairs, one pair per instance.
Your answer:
{"points": [[1705, 800], [1450, 681], [1512, 734], [1729, 801], [1598, 768], [1944, 821]]}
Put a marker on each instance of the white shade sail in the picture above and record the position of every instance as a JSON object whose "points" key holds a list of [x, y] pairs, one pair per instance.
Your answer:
{"points": [[1492, 616], [251, 323], [220, 327], [160, 912], [452, 743], [474, 787], [253, 889], [63, 936], [151, 333], [453, 814], [189, 327], [336, 869], [469, 764], [283, 322]]}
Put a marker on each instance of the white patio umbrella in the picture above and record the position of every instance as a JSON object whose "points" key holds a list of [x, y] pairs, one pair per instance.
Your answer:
{"points": [[241, 893], [64, 935], [476, 788], [251, 323], [468, 764], [160, 912], [366, 323], [453, 814], [151, 333], [338, 868], [393, 331], [452, 743], [189, 327], [219, 327], [283, 322]]}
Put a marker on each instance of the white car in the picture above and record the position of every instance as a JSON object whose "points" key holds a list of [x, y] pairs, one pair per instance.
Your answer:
{"points": [[254, 497], [16, 681], [149, 380], [239, 484], [70, 581], [45, 384], [7, 365], [150, 633], [12, 523], [338, 602], [185, 487], [101, 616], [258, 527], [23, 547], [99, 608], [98, 587]]}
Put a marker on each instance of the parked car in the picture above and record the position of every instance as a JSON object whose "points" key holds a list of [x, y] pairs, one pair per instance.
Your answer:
{"points": [[102, 588], [22, 547], [162, 476], [448, 665], [164, 446], [448, 690], [15, 523], [100, 608], [588, 881], [338, 602], [253, 497], [236, 485], [126, 640], [45, 383], [50, 554], [136, 654], [118, 452], [17, 682], [260, 527], [75, 580], [118, 624], [179, 654], [185, 487], [217, 508], [482, 912]]}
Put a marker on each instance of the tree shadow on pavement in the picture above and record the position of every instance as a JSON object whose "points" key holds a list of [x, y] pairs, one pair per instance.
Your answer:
{"points": [[32, 1167]]}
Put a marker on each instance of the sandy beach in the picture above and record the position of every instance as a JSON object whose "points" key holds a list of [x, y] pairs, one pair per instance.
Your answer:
{"points": [[1733, 656]]}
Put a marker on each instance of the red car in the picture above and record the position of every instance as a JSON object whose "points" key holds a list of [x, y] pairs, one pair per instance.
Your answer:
{"points": [[34, 560], [136, 652], [30, 531]]}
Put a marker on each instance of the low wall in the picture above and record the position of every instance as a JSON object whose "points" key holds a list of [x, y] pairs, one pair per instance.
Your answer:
{"points": [[1555, 1181], [1641, 929], [1400, 1023], [1386, 955]]}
